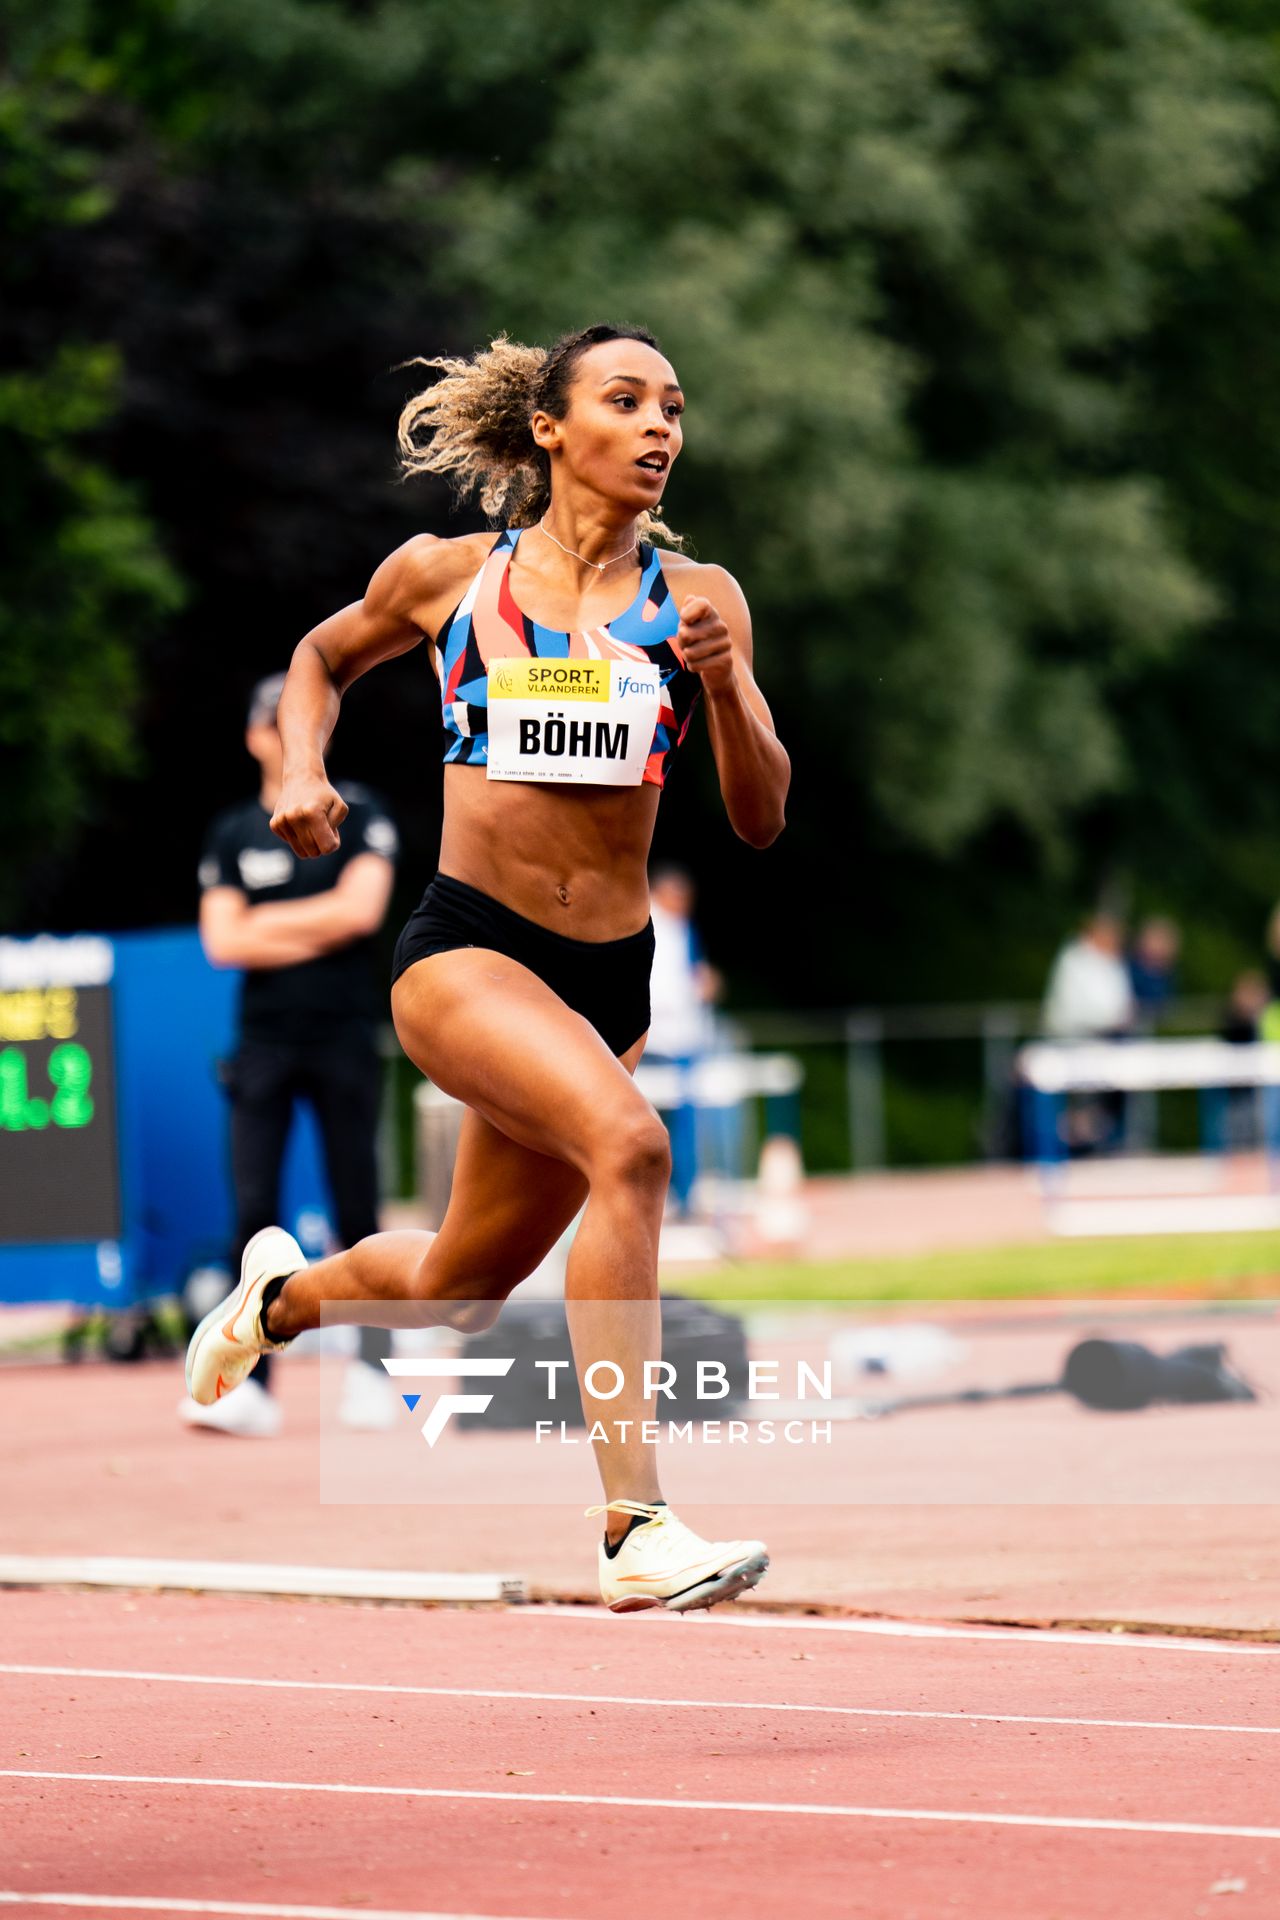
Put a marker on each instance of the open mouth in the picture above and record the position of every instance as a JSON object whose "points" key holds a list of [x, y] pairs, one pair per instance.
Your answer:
{"points": [[656, 463]]}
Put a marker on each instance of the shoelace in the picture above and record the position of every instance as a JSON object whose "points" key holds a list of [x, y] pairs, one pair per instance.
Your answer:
{"points": [[636, 1507]]}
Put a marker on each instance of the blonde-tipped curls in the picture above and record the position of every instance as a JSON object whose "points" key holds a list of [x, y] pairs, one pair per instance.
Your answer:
{"points": [[473, 424]]}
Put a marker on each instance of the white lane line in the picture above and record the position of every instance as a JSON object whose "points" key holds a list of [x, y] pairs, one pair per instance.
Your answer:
{"points": [[924, 1630], [133, 1674], [197, 1576], [241, 1909], [945, 1816]]}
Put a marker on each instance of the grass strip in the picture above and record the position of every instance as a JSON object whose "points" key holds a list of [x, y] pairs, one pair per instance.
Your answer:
{"points": [[1234, 1266]]}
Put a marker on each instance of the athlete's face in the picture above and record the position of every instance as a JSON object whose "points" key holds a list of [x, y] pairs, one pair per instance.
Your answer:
{"points": [[621, 432]]}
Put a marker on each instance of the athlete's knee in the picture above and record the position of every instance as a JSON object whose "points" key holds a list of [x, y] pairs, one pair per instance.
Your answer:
{"points": [[463, 1304], [460, 1313], [467, 1316], [635, 1151]]}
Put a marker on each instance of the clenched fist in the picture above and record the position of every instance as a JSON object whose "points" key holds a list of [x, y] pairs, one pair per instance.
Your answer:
{"points": [[703, 642], [308, 814]]}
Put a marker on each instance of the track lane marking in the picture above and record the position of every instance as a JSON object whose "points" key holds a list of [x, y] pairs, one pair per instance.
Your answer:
{"points": [[187, 1581], [619, 1699], [943, 1816], [923, 1630], [248, 1909]]}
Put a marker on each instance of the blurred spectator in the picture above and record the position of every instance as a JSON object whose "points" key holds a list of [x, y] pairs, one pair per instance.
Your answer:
{"points": [[1153, 961], [302, 932], [1273, 953], [1242, 1018], [1090, 995], [682, 989], [1231, 1115]]}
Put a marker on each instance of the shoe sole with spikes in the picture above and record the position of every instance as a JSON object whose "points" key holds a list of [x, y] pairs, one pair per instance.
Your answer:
{"points": [[726, 1585]]}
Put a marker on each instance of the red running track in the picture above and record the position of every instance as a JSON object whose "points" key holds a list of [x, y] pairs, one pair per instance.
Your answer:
{"points": [[563, 1766]]}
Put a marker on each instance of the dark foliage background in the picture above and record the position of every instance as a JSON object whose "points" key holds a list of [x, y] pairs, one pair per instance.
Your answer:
{"points": [[975, 302]]}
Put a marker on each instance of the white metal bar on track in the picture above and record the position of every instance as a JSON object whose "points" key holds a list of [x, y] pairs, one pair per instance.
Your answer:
{"points": [[231, 1576], [234, 1909]]}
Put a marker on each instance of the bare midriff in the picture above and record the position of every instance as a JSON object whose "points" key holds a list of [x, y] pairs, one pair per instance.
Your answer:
{"points": [[571, 858]]}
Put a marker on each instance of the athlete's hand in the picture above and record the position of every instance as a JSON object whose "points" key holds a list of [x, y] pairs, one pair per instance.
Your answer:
{"points": [[308, 814], [702, 639]]}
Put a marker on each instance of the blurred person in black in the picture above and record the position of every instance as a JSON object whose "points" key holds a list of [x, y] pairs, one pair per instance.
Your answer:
{"points": [[1242, 1017], [1273, 954], [302, 931], [1153, 963], [1231, 1114]]}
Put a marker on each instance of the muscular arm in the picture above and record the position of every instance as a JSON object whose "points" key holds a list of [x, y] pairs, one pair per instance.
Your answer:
{"points": [[754, 768], [406, 596], [286, 932]]}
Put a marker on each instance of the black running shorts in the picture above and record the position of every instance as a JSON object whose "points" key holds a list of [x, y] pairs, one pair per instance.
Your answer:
{"points": [[606, 981]]}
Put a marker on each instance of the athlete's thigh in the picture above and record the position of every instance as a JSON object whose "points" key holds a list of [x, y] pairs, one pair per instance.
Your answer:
{"points": [[492, 1034], [507, 1207]]}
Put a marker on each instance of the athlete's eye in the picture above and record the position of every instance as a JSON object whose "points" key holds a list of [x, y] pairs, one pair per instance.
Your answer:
{"points": [[628, 397]]}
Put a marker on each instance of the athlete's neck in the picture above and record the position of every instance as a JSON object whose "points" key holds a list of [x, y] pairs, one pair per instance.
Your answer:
{"points": [[593, 536]]}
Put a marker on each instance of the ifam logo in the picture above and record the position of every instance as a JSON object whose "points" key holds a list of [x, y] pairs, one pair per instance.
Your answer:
{"points": [[438, 1417]]}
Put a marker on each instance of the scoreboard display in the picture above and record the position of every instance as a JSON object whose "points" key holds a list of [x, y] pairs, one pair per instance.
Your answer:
{"points": [[113, 1120], [59, 1157]]}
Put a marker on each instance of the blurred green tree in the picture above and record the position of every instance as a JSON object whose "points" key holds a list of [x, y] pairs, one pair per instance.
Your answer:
{"points": [[1205, 727], [964, 415], [83, 574], [239, 277], [905, 258]]}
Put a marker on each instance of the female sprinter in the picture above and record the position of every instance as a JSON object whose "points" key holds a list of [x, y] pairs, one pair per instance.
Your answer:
{"points": [[571, 653]]}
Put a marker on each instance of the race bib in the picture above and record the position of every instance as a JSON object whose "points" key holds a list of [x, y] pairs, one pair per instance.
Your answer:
{"points": [[588, 720]]}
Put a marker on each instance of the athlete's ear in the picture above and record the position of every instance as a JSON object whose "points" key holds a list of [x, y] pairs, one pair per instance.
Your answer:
{"points": [[547, 431]]}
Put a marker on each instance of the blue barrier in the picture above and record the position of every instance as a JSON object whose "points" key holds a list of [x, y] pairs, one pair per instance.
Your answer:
{"points": [[142, 1185]]}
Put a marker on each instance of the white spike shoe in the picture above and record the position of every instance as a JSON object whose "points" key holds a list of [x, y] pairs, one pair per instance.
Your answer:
{"points": [[225, 1346], [663, 1563]]}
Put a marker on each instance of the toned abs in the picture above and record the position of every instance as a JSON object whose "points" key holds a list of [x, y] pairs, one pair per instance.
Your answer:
{"points": [[574, 859]]}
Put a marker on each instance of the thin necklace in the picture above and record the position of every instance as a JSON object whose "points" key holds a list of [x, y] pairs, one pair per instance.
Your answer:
{"points": [[599, 565]]}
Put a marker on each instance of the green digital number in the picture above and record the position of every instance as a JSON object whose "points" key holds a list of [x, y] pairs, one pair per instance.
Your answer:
{"points": [[18, 1111], [13, 1090], [70, 1070]]}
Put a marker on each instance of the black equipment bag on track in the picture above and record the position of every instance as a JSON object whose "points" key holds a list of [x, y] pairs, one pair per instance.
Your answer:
{"points": [[538, 1330]]}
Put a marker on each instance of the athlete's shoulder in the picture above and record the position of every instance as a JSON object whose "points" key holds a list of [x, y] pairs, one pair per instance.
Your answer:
{"points": [[430, 561], [686, 576], [427, 577]]}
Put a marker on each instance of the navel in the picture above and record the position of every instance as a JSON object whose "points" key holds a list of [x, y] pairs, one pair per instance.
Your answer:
{"points": [[563, 895]]}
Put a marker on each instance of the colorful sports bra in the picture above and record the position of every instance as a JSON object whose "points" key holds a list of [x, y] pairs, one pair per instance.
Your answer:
{"points": [[488, 626]]}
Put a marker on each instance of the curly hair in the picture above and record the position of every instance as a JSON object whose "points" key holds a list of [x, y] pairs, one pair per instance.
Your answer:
{"points": [[473, 424]]}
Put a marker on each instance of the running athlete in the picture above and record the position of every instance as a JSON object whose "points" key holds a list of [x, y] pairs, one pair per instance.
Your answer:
{"points": [[571, 651]]}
